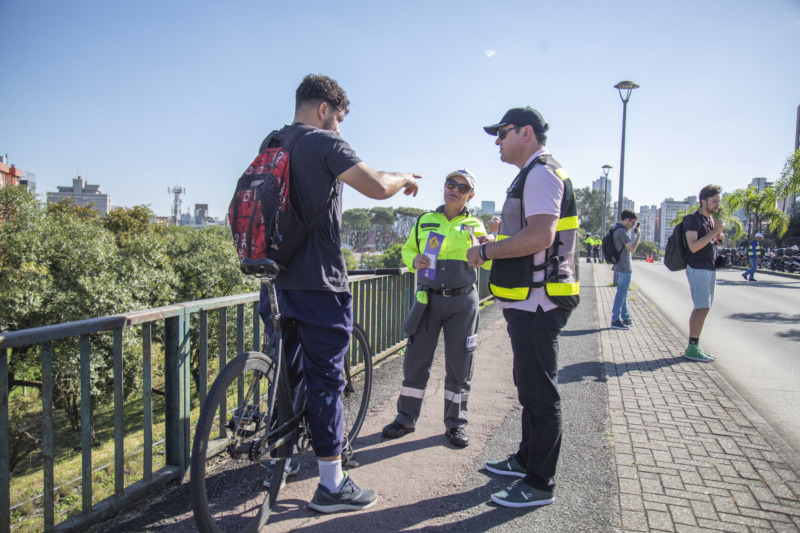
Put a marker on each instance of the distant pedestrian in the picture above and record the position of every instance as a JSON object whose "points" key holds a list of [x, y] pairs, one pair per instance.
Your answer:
{"points": [[598, 247], [753, 253], [620, 317], [596, 244], [589, 247], [702, 235], [534, 276]]}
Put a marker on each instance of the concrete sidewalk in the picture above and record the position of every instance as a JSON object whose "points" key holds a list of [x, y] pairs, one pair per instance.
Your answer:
{"points": [[652, 442], [690, 453]]}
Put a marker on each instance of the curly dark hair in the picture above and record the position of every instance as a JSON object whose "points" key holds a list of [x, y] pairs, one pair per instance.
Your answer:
{"points": [[315, 89], [628, 214], [709, 191]]}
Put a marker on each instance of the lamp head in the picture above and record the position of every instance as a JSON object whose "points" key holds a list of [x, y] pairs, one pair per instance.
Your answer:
{"points": [[625, 86]]}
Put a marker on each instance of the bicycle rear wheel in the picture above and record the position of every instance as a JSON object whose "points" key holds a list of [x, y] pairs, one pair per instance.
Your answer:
{"points": [[227, 472], [358, 384]]}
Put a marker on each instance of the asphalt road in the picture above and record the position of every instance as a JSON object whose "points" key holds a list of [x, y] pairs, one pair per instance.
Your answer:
{"points": [[753, 329]]}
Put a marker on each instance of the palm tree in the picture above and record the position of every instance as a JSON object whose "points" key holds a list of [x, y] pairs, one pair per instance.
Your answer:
{"points": [[789, 183], [759, 206]]}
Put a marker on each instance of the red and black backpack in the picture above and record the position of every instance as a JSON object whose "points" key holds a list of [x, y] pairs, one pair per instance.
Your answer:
{"points": [[264, 221]]}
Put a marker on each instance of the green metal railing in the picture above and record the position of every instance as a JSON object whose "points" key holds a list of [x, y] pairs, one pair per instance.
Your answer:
{"points": [[380, 305]]}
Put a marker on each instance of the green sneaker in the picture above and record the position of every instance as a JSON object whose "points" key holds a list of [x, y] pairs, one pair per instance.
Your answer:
{"points": [[520, 494], [708, 355], [693, 353], [506, 467]]}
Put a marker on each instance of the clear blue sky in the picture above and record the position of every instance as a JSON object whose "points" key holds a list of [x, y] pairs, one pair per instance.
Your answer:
{"points": [[137, 96]]}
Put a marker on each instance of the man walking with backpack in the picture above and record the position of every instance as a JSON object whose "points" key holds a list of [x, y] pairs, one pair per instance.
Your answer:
{"points": [[313, 293], [626, 246], [702, 236]]}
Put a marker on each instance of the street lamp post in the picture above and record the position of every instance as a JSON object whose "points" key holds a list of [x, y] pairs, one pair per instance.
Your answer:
{"points": [[627, 86], [606, 168]]}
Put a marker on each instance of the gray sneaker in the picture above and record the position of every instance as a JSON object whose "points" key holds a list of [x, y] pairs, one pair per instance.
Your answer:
{"points": [[291, 468], [520, 494], [507, 467], [349, 498]]}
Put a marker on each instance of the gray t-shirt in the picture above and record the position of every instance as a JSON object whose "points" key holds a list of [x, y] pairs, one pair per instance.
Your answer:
{"points": [[316, 160], [621, 238]]}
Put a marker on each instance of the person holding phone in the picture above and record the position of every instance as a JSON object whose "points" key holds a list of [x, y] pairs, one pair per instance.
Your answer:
{"points": [[627, 244]]}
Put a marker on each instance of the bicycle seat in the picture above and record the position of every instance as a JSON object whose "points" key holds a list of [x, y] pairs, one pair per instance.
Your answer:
{"points": [[259, 267]]}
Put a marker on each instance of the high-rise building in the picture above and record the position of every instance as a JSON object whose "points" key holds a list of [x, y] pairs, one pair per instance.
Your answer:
{"points": [[487, 207], [647, 222], [200, 212], [760, 183], [600, 183], [667, 213], [627, 203], [82, 194]]}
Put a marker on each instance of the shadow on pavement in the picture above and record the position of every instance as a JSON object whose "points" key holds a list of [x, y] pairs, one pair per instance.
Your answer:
{"points": [[578, 372], [619, 369], [399, 518], [766, 317], [578, 332], [791, 334], [788, 284], [396, 447]]}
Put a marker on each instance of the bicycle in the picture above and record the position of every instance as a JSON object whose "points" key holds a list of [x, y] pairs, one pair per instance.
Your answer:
{"points": [[263, 425]]}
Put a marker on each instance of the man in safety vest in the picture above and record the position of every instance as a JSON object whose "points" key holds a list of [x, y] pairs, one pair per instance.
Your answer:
{"points": [[589, 247], [754, 252], [596, 247], [534, 276]]}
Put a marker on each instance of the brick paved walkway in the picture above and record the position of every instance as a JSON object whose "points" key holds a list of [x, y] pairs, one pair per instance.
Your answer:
{"points": [[691, 454]]}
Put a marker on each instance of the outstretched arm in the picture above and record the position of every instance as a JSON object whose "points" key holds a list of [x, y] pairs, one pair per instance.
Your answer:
{"points": [[379, 185]]}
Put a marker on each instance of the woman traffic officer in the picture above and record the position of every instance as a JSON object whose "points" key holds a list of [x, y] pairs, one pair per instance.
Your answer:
{"points": [[446, 300]]}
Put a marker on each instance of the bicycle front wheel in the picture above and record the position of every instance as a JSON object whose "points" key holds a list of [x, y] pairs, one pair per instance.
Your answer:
{"points": [[358, 384], [227, 468]]}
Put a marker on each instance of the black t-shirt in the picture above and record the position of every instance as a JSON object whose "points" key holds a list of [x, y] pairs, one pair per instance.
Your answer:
{"points": [[704, 258], [316, 159]]}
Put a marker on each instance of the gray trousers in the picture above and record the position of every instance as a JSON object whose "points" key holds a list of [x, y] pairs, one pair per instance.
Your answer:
{"points": [[458, 317]]}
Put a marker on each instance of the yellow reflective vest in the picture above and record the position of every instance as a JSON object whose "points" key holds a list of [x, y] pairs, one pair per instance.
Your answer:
{"points": [[512, 279]]}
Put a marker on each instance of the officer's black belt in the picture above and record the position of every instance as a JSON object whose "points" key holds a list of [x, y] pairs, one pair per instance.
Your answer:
{"points": [[447, 293]]}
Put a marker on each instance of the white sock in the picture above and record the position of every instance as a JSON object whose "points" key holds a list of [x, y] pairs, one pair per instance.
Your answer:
{"points": [[330, 475]]}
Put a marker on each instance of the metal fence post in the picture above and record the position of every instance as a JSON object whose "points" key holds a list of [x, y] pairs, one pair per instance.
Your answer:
{"points": [[176, 352]]}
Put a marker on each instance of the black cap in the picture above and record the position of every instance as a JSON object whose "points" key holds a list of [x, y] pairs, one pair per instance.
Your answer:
{"points": [[519, 116]]}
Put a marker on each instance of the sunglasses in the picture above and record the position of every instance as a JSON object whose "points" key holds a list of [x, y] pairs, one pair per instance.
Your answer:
{"points": [[501, 134], [463, 188]]}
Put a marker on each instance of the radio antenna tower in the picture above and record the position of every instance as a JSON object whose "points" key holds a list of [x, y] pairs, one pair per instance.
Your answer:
{"points": [[176, 203]]}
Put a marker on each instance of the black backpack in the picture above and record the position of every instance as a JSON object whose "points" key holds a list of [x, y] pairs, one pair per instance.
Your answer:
{"points": [[676, 254], [264, 221], [610, 252]]}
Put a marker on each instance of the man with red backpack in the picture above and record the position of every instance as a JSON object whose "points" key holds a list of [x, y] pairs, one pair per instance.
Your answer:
{"points": [[313, 292]]}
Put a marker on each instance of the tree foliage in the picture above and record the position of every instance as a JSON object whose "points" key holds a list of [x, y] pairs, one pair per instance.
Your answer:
{"points": [[386, 225], [356, 227], [64, 263], [759, 206], [590, 210]]}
